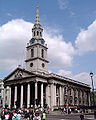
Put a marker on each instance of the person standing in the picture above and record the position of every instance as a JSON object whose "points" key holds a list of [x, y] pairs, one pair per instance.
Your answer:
{"points": [[44, 115], [82, 116]]}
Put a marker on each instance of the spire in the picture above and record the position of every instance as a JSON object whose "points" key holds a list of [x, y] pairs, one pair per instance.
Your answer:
{"points": [[37, 20]]}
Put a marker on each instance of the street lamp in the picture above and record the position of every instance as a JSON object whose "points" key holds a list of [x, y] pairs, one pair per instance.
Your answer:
{"points": [[91, 75]]}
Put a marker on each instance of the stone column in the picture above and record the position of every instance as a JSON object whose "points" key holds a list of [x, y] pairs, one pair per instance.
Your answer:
{"points": [[15, 96], [21, 102], [28, 95], [41, 94], [4, 98], [55, 94], [35, 90], [61, 96], [9, 97], [77, 96], [81, 98], [52, 95], [47, 95]]}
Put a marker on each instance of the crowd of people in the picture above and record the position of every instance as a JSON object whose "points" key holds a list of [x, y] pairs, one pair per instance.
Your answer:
{"points": [[8, 114]]}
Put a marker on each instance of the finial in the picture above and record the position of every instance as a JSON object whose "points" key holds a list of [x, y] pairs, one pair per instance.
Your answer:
{"points": [[37, 21], [37, 5]]}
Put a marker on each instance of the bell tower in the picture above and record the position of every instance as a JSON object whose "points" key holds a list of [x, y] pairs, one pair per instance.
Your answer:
{"points": [[36, 59]]}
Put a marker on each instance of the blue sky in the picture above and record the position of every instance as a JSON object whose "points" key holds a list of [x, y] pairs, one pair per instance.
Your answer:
{"points": [[69, 31]]}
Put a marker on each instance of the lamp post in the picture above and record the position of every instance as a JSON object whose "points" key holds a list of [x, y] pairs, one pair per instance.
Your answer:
{"points": [[91, 75]]}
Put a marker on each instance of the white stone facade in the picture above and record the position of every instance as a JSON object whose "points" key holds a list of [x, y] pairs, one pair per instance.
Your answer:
{"points": [[35, 86], [1, 92]]}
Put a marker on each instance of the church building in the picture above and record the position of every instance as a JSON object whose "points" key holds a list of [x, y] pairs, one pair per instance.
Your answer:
{"points": [[35, 86]]}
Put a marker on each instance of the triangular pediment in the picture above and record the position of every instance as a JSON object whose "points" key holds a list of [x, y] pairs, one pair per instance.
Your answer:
{"points": [[18, 73]]}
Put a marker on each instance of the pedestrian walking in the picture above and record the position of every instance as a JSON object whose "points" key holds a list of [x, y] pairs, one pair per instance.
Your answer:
{"points": [[82, 116]]}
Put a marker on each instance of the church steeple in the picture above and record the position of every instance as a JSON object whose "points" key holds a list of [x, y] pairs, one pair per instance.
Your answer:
{"points": [[37, 20], [37, 49], [37, 29]]}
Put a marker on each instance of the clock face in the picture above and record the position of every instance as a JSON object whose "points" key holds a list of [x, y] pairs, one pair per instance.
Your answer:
{"points": [[42, 41], [32, 41]]}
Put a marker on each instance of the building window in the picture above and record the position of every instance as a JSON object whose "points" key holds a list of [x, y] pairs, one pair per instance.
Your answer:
{"points": [[32, 52], [34, 33], [31, 64], [43, 65], [0, 90], [37, 33], [65, 90], [75, 93], [70, 92], [40, 34], [42, 53], [78, 93]]}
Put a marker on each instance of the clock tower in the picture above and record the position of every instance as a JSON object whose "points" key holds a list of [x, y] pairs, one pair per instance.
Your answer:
{"points": [[36, 59]]}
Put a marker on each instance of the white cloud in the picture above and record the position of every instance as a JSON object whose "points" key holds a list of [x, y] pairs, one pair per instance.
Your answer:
{"points": [[65, 73], [86, 39], [63, 4], [81, 77], [13, 38], [16, 33], [85, 78], [60, 53]]}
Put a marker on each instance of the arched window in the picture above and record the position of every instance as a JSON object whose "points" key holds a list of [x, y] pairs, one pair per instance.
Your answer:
{"points": [[32, 52], [40, 34], [34, 33], [42, 53], [37, 33]]}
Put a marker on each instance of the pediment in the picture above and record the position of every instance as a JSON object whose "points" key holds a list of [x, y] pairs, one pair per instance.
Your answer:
{"points": [[18, 74]]}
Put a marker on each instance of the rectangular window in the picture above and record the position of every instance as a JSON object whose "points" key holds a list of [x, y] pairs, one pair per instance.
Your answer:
{"points": [[42, 54], [65, 90], [32, 52], [75, 93], [70, 91]]}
